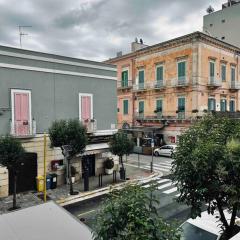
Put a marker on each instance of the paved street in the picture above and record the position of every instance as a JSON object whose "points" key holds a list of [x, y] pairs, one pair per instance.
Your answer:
{"points": [[168, 208], [160, 164]]}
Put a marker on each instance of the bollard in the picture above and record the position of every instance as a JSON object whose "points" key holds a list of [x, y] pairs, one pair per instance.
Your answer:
{"points": [[151, 166]]}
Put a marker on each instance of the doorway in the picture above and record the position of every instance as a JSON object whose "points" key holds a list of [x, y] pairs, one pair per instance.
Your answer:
{"points": [[89, 162]]}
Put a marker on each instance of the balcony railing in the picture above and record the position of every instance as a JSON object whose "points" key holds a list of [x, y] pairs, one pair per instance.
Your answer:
{"points": [[157, 84], [234, 85], [124, 84], [91, 125], [180, 82], [140, 86], [23, 128], [213, 82]]}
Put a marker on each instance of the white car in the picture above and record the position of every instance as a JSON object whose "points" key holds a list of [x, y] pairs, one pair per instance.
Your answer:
{"points": [[166, 150], [205, 227]]}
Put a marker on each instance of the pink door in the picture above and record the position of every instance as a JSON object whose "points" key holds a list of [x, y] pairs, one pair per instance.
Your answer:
{"points": [[21, 114], [86, 108]]}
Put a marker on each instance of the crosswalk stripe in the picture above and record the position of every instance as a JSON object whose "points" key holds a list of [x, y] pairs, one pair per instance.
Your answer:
{"points": [[166, 164], [158, 167], [177, 195], [160, 181], [171, 190], [165, 185]]}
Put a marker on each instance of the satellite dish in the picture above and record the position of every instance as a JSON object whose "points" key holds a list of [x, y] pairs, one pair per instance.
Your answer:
{"points": [[210, 9]]}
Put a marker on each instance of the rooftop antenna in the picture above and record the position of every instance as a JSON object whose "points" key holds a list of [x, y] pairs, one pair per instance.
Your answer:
{"points": [[21, 33]]}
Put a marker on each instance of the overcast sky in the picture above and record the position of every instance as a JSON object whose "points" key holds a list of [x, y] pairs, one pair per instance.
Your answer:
{"points": [[97, 29]]}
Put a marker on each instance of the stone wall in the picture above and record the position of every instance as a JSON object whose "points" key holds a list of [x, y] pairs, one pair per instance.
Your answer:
{"points": [[3, 182]]}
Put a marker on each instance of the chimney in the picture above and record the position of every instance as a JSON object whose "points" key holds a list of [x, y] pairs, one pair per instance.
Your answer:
{"points": [[119, 54], [135, 46]]}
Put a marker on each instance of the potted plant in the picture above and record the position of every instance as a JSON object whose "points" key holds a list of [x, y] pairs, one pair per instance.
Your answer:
{"points": [[109, 164], [205, 110], [73, 173], [195, 111]]}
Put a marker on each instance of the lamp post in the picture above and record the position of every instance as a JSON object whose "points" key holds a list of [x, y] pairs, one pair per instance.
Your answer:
{"points": [[152, 146]]}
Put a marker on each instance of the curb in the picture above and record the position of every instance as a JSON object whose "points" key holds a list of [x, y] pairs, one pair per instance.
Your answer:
{"points": [[103, 191]]}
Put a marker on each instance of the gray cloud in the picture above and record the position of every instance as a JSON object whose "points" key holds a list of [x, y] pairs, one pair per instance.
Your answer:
{"points": [[97, 29]]}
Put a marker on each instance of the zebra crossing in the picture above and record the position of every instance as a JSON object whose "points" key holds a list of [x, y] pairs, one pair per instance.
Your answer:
{"points": [[165, 185], [161, 166]]}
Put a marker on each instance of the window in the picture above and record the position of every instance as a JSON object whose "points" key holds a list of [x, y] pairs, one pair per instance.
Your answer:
{"points": [[212, 71], [233, 74], [223, 105], [159, 105], [182, 71], [232, 105], [141, 107], [211, 104], [223, 72], [159, 73], [21, 112], [125, 107], [141, 79], [85, 107], [181, 104], [124, 78]]}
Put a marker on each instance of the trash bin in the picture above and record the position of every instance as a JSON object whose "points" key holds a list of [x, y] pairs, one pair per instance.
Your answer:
{"points": [[40, 183], [48, 182], [53, 180]]}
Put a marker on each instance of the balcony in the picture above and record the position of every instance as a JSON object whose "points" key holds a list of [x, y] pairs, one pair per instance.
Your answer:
{"points": [[157, 85], [91, 125], [23, 129], [213, 82], [234, 86], [180, 82], [235, 115], [140, 87], [124, 85]]}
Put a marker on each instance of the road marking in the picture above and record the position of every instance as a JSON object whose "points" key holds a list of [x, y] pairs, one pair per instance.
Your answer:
{"points": [[81, 214], [177, 195], [160, 181], [165, 185], [170, 190]]}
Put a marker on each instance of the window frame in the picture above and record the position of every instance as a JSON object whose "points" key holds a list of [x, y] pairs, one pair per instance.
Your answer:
{"points": [[125, 100], [80, 103]]}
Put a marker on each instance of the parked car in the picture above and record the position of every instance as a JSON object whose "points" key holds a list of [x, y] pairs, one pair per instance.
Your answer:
{"points": [[166, 150], [205, 227]]}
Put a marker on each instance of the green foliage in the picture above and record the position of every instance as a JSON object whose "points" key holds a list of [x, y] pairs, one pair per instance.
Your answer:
{"points": [[121, 144], [71, 132], [109, 163], [129, 214], [206, 166], [11, 151]]}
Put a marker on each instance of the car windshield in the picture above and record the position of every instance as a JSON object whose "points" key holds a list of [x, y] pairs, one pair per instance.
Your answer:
{"points": [[190, 232]]}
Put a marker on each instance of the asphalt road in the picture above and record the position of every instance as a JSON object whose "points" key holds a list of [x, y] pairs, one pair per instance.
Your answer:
{"points": [[167, 193]]}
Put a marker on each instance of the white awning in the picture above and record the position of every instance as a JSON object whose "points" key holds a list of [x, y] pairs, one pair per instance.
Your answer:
{"points": [[95, 148]]}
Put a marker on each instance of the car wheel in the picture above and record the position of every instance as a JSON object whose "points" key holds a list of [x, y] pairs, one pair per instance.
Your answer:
{"points": [[156, 154]]}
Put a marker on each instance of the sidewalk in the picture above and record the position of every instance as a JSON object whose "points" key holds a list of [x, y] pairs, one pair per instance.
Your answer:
{"points": [[61, 194]]}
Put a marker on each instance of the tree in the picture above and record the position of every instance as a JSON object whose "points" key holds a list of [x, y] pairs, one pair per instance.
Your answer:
{"points": [[129, 213], [120, 145], [69, 133], [206, 167], [11, 152]]}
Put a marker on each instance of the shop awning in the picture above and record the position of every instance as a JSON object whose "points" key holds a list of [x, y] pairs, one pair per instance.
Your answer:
{"points": [[95, 148]]}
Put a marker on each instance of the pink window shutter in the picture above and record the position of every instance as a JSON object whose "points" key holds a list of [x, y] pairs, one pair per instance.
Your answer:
{"points": [[85, 108]]}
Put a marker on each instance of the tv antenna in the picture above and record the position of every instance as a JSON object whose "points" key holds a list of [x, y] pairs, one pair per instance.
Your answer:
{"points": [[21, 33]]}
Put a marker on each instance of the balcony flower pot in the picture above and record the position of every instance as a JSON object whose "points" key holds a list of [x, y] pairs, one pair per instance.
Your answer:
{"points": [[109, 164], [73, 174]]}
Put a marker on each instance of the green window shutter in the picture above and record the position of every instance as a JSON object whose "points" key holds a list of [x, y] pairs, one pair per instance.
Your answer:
{"points": [[211, 104], [233, 74], [125, 78], [212, 69], [232, 106], [223, 73], [141, 107], [141, 76], [159, 105], [125, 107], [181, 104], [181, 69], [223, 105], [160, 73]]}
